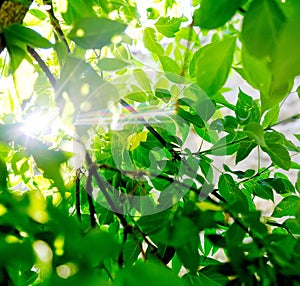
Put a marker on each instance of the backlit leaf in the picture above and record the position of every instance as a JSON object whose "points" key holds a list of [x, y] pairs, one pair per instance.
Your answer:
{"points": [[95, 33], [211, 64], [287, 207], [213, 14]]}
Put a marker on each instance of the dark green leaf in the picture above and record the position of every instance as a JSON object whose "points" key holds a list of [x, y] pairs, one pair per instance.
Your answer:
{"points": [[131, 251], [95, 33], [213, 14], [163, 94], [3, 174], [245, 147]]}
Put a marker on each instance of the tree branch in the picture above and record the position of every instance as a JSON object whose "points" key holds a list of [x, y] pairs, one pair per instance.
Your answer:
{"points": [[52, 79], [55, 24]]}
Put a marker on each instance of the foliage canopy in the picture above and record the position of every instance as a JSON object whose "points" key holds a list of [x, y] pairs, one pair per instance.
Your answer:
{"points": [[99, 181]]}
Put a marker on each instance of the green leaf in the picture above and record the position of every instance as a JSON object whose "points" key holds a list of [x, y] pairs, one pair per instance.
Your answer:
{"points": [[263, 190], [245, 147], [150, 42], [213, 14], [169, 65], [163, 94], [279, 155], [246, 110], [48, 160], [149, 273], [211, 64], [189, 255], [232, 194], [131, 251], [234, 235], [287, 207], [261, 27], [95, 33], [98, 246], [271, 116], [200, 280], [152, 13], [16, 55], [109, 64], [286, 60], [76, 10], [256, 132], [168, 27], [16, 34], [3, 175], [257, 73]]}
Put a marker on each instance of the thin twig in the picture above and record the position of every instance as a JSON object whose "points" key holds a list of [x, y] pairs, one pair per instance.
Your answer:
{"points": [[77, 194], [89, 190]]}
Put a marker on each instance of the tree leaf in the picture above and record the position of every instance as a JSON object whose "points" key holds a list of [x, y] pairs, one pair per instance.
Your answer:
{"points": [[245, 147], [3, 175], [213, 14], [256, 132], [169, 65], [168, 27], [287, 207], [15, 33], [261, 27], [149, 273], [94, 32], [211, 64], [279, 155], [150, 42], [163, 94], [110, 64], [246, 109], [286, 60]]}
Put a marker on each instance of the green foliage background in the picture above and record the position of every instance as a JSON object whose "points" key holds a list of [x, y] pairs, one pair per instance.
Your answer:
{"points": [[52, 232]]}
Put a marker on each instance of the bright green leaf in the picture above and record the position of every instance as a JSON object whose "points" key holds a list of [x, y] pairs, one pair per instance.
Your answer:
{"points": [[150, 42], [168, 27], [287, 207], [261, 27], [109, 64], [211, 64], [213, 14], [95, 33], [256, 132]]}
